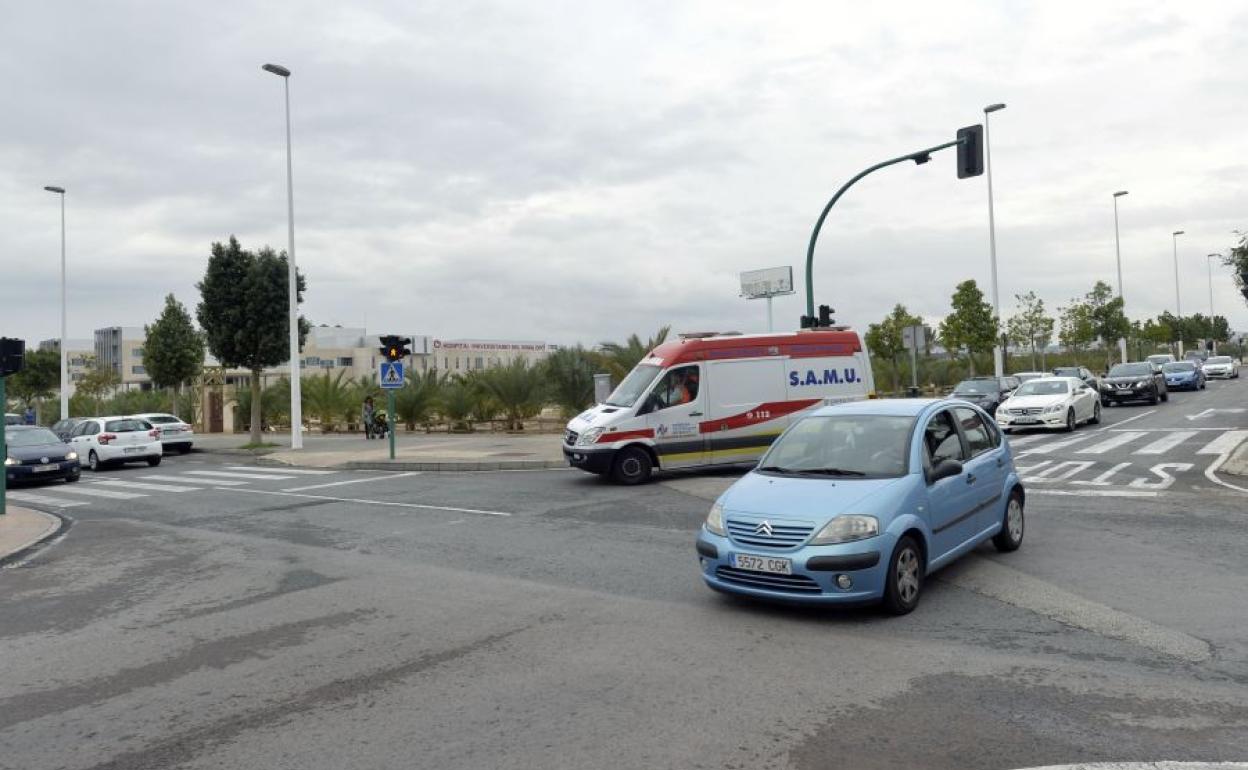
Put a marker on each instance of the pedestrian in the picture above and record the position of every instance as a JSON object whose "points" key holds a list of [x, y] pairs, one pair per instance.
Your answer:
{"points": [[367, 416], [30, 415]]}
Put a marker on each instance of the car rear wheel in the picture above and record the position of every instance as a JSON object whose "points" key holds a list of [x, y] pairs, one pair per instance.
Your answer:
{"points": [[71, 478], [904, 583], [1165, 395], [184, 449], [1155, 398], [632, 466], [93, 461], [1012, 528], [154, 461], [1070, 420]]}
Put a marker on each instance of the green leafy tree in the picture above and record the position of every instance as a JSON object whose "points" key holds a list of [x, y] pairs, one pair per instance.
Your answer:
{"points": [[1109, 323], [1156, 333], [1237, 260], [620, 358], [327, 398], [518, 389], [1030, 326], [96, 383], [39, 378], [418, 399], [457, 401], [244, 313], [569, 374], [1220, 329], [971, 326], [173, 350], [1075, 326], [886, 339]]}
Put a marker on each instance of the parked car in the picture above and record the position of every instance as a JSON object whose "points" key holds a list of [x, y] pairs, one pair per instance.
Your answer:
{"points": [[1135, 381], [1221, 367], [985, 392], [1050, 402], [108, 440], [174, 433], [13, 419], [1082, 373], [1198, 356], [1161, 359], [34, 453], [62, 428], [861, 502], [1025, 376], [1183, 375]]}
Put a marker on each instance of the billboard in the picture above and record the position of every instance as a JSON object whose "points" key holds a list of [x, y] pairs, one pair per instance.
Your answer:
{"points": [[768, 282]]}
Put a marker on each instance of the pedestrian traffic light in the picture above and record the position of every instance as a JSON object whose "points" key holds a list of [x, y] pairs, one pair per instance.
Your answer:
{"points": [[394, 347], [12, 356], [970, 151]]}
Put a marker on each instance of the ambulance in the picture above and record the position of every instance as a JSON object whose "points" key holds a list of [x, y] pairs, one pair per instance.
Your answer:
{"points": [[716, 399]]}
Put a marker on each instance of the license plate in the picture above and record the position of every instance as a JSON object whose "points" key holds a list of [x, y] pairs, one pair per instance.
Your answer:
{"points": [[130, 450], [1026, 421], [46, 468], [762, 564]]}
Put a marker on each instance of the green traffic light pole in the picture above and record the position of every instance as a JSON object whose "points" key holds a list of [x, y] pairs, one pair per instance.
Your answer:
{"points": [[4, 452], [390, 418], [920, 157]]}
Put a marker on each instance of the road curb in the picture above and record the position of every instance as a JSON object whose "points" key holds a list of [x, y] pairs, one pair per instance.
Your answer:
{"points": [[22, 551], [452, 465], [1237, 463]]}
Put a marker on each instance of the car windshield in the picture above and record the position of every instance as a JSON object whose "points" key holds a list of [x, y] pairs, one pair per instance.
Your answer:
{"points": [[37, 437], [1066, 371], [633, 385], [977, 387], [1043, 388], [1160, 359], [126, 426], [1131, 370], [1179, 366], [162, 419], [1219, 360], [849, 445]]}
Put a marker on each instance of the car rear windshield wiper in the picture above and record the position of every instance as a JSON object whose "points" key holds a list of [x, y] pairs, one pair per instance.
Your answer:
{"points": [[833, 471]]}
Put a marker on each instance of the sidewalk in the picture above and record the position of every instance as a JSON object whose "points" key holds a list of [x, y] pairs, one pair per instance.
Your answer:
{"points": [[413, 451], [22, 528], [1237, 464]]}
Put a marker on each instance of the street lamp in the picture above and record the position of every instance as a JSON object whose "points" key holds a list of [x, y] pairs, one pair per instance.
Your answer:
{"points": [[998, 355], [1178, 310], [1209, 263], [296, 404], [1122, 341], [64, 344]]}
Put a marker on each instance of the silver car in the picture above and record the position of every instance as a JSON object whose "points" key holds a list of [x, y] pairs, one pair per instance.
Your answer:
{"points": [[1220, 367], [174, 433]]}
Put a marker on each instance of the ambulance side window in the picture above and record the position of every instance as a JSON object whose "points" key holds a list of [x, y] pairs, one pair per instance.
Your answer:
{"points": [[679, 386]]}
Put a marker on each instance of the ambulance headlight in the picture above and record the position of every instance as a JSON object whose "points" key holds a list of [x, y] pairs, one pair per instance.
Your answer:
{"points": [[589, 437]]}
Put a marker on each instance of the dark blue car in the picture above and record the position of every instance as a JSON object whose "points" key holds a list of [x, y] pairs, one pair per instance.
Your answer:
{"points": [[1183, 375], [36, 454]]}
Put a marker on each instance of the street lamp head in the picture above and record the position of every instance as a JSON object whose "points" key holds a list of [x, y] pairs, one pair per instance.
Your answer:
{"points": [[994, 107], [1120, 193], [51, 188], [1177, 232], [276, 69]]}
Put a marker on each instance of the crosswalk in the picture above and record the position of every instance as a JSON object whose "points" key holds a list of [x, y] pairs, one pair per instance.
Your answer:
{"points": [[94, 489], [1156, 441]]}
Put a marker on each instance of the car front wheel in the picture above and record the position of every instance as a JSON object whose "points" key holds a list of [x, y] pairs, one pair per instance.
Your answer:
{"points": [[904, 584], [1070, 420], [93, 461], [632, 466], [154, 461], [1095, 419]]}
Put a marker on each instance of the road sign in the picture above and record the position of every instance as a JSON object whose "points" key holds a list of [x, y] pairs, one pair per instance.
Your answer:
{"points": [[914, 337], [390, 374]]}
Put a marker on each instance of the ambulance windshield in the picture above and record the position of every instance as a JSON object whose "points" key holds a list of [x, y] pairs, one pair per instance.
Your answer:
{"points": [[633, 385]]}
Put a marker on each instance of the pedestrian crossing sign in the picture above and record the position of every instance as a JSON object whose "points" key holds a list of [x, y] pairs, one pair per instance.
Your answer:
{"points": [[391, 374]]}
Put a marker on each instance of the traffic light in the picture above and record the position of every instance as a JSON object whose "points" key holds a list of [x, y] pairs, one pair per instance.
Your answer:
{"points": [[824, 318], [12, 356], [394, 347], [970, 151]]}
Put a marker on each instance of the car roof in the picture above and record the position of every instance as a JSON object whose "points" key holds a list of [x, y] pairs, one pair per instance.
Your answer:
{"points": [[1055, 378], [24, 427], [890, 407]]}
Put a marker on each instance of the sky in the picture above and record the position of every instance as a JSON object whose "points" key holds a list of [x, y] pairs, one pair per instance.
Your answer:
{"points": [[580, 171]]}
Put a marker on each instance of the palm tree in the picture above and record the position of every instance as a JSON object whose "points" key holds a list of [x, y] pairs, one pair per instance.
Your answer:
{"points": [[569, 373], [417, 400], [519, 390], [619, 359], [456, 403], [326, 398]]}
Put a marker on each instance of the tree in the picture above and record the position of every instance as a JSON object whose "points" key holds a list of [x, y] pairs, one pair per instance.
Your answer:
{"points": [[971, 326], [39, 378], [619, 359], [1156, 332], [517, 388], [456, 403], [328, 398], [569, 374], [1030, 326], [1106, 316], [173, 350], [1220, 329], [419, 397], [244, 313], [95, 384], [886, 339], [1075, 328]]}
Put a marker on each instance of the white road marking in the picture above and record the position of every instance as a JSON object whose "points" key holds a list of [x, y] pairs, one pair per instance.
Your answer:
{"points": [[1093, 492], [1208, 412], [92, 492], [369, 502], [1129, 419], [268, 469], [1224, 444], [1021, 440], [1166, 443], [1147, 766], [352, 481], [183, 480], [1045, 449], [1103, 479], [1165, 480], [148, 487], [30, 497], [1074, 466], [1030, 468], [1115, 441], [997, 581], [248, 476]]}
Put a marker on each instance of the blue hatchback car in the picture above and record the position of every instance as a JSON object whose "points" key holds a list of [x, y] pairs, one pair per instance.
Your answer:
{"points": [[860, 502], [1183, 375]]}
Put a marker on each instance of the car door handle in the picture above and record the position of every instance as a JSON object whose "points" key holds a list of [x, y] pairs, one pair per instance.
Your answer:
{"points": [[970, 478], [1000, 462], [695, 414]]}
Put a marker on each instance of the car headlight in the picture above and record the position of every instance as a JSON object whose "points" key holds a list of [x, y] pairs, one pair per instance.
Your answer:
{"points": [[71, 455], [1054, 409], [10, 461], [1142, 384], [589, 437], [715, 520], [846, 529]]}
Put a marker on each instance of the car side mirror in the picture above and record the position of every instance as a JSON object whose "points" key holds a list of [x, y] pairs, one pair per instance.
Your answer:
{"points": [[647, 406], [943, 470]]}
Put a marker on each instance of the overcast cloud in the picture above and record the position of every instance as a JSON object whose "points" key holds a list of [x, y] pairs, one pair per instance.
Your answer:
{"points": [[579, 171]]}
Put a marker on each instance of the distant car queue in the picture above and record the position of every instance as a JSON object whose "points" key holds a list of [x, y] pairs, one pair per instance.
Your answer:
{"points": [[35, 453]]}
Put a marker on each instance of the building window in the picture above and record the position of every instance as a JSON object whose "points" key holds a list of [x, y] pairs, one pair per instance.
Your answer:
{"points": [[76, 376], [480, 363], [77, 362], [138, 352], [346, 361], [138, 370], [312, 361]]}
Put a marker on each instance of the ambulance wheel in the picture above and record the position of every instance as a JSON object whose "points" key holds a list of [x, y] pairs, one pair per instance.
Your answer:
{"points": [[632, 466]]}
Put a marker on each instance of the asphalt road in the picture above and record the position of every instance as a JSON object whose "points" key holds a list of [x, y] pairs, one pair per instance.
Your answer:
{"points": [[203, 614]]}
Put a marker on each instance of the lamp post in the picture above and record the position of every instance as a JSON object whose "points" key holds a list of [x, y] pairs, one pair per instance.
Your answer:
{"points": [[998, 355], [1209, 264], [64, 344], [296, 405], [1122, 341], [1178, 309]]}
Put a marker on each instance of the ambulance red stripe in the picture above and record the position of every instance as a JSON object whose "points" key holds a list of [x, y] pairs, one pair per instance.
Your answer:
{"points": [[621, 435], [772, 410]]}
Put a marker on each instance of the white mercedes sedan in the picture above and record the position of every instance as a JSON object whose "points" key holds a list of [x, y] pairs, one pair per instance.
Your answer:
{"points": [[1050, 402]]}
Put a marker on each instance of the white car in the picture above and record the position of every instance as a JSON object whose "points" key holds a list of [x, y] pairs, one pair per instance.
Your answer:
{"points": [[1050, 402], [102, 441], [174, 433], [1220, 367]]}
